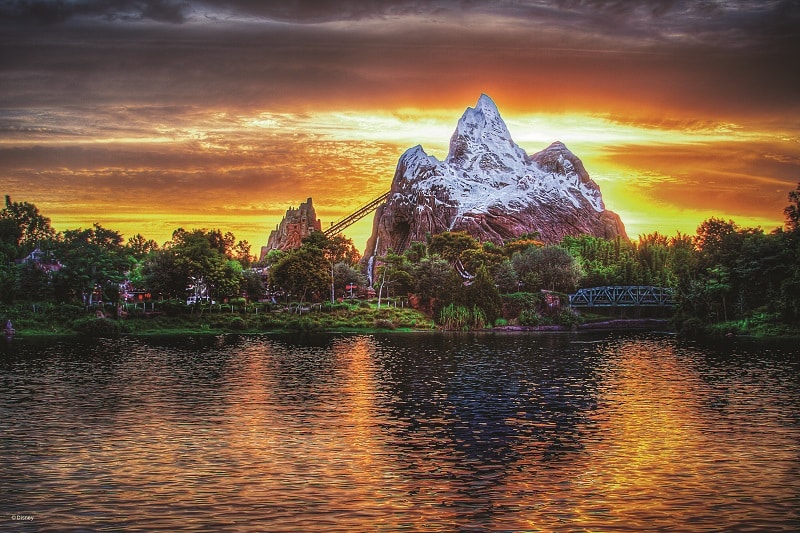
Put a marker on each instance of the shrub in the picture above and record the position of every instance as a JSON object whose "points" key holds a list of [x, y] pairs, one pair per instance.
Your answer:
{"points": [[457, 317], [302, 324], [515, 303], [567, 317], [383, 323], [173, 307], [692, 328], [529, 317], [97, 327], [238, 324]]}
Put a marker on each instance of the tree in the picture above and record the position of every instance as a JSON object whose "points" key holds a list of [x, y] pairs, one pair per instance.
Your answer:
{"points": [[717, 241], [393, 273], [241, 252], [198, 259], [140, 247], [550, 267], [92, 258], [252, 285], [345, 275], [451, 244], [161, 275], [10, 235], [483, 294], [336, 249], [792, 211], [300, 273], [435, 282], [31, 227], [506, 277]]}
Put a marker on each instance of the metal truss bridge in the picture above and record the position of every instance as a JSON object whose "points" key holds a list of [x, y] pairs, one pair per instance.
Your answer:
{"points": [[340, 225], [623, 296]]}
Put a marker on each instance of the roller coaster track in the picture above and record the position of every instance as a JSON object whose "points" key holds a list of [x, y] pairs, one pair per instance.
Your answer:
{"points": [[340, 225]]}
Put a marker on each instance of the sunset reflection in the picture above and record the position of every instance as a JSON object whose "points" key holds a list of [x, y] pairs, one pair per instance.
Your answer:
{"points": [[400, 432]]}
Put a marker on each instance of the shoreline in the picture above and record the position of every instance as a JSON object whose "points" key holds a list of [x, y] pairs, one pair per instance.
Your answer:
{"points": [[605, 325], [616, 324]]}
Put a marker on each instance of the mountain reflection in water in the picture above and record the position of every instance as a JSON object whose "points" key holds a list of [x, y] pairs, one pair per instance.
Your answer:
{"points": [[414, 432]]}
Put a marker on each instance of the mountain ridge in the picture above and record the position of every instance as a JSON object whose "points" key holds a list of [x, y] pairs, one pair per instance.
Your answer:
{"points": [[489, 187]]}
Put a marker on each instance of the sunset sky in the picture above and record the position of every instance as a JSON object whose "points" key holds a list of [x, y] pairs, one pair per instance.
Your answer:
{"points": [[149, 115]]}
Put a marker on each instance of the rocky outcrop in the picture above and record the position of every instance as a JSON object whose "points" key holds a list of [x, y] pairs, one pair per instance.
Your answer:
{"points": [[295, 226], [489, 187]]}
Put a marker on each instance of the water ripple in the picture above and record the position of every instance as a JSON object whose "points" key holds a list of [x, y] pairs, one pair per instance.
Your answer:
{"points": [[399, 432]]}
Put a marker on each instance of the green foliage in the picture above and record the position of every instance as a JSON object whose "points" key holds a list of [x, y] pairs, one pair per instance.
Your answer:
{"points": [[530, 317], [505, 277], [174, 307], [514, 304], [90, 258], [434, 279], [482, 294], [460, 318], [384, 323], [97, 327], [301, 273], [451, 244], [726, 278], [23, 229], [792, 211], [550, 267]]}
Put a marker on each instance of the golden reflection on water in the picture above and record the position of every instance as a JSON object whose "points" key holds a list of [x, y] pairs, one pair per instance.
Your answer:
{"points": [[659, 459], [355, 434]]}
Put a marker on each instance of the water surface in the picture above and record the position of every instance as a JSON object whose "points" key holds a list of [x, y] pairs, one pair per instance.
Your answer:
{"points": [[399, 432]]}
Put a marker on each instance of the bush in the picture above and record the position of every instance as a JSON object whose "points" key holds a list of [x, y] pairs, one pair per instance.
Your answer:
{"points": [[173, 307], [383, 323], [97, 327], [692, 328], [514, 304], [567, 317], [302, 324], [457, 317], [64, 312], [238, 324], [529, 317], [329, 308]]}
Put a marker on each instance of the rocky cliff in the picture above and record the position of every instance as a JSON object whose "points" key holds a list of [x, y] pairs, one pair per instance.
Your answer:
{"points": [[296, 225], [489, 187]]}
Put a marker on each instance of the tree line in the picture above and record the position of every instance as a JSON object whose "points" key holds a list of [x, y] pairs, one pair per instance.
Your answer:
{"points": [[723, 274]]}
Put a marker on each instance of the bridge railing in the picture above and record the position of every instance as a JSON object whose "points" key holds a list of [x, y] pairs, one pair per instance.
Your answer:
{"points": [[623, 295]]}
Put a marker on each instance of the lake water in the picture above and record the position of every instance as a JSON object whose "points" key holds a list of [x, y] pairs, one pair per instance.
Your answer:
{"points": [[399, 432]]}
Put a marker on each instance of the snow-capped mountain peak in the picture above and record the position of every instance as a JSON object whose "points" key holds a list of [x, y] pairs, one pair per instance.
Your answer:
{"points": [[488, 185]]}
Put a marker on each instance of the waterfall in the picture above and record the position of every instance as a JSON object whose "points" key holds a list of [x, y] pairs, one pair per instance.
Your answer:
{"points": [[371, 262]]}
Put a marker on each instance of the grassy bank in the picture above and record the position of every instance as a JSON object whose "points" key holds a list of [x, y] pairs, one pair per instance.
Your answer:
{"points": [[53, 319]]}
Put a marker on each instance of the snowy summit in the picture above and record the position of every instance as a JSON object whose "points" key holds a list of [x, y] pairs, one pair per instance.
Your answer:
{"points": [[489, 186]]}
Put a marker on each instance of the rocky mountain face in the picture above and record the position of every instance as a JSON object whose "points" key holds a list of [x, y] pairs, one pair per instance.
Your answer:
{"points": [[489, 187], [295, 226]]}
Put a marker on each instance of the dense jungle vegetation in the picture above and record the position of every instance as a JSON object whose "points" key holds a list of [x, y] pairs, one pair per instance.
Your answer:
{"points": [[725, 279]]}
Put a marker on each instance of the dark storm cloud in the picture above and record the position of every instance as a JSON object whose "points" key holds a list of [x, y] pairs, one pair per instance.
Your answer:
{"points": [[57, 11], [555, 49], [716, 22]]}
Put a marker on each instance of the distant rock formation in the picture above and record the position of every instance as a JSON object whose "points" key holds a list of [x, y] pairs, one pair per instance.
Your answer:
{"points": [[295, 226], [489, 187]]}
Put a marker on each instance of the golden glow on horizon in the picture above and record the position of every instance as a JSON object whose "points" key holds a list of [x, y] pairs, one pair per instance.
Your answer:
{"points": [[241, 172]]}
